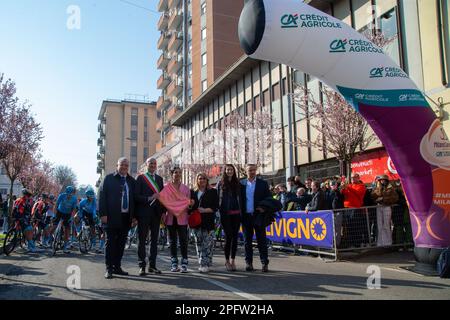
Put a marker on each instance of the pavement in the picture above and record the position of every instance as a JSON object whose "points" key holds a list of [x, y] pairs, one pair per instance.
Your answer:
{"points": [[291, 277]]}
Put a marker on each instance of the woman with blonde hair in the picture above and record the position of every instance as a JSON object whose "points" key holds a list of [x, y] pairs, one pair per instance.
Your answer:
{"points": [[207, 203]]}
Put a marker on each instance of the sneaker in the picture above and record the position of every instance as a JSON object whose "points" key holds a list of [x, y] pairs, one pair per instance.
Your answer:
{"points": [[184, 268], [249, 267], [204, 269], [228, 266], [154, 270], [174, 268], [265, 268]]}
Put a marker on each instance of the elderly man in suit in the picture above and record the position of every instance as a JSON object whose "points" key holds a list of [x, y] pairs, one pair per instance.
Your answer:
{"points": [[116, 207], [148, 214], [253, 191]]}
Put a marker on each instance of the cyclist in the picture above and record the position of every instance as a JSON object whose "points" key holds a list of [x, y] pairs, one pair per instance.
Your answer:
{"points": [[38, 212], [22, 212], [65, 205], [49, 216], [88, 212]]}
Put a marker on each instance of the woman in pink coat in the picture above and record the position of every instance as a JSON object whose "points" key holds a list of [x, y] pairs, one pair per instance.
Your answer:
{"points": [[176, 198]]}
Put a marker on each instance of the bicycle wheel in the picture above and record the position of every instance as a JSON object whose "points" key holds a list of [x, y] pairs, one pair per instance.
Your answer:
{"points": [[84, 240], [57, 240], [10, 242]]}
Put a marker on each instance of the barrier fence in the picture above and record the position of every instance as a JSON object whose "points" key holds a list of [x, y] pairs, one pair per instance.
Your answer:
{"points": [[329, 233]]}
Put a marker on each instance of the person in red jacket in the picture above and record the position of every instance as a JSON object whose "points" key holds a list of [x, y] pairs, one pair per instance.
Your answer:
{"points": [[355, 220]]}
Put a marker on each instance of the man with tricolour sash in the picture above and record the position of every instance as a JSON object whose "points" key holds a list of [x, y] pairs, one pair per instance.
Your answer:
{"points": [[148, 214]]}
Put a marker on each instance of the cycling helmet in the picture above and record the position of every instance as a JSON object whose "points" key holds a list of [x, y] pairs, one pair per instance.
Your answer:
{"points": [[44, 196], [25, 192], [51, 197], [70, 189], [90, 193]]}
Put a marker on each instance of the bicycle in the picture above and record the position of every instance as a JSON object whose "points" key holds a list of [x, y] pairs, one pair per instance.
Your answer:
{"points": [[14, 236], [85, 238], [132, 237], [58, 238]]}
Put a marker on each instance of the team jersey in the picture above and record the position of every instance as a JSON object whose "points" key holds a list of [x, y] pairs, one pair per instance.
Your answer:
{"points": [[89, 207], [39, 209], [50, 210], [22, 208], [66, 203]]}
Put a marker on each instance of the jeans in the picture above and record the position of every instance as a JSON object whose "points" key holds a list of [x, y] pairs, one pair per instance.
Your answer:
{"points": [[176, 231]]}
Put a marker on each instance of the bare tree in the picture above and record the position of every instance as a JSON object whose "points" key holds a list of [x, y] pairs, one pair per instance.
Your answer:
{"points": [[65, 176]]}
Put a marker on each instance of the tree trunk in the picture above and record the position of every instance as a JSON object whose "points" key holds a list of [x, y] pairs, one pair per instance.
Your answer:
{"points": [[11, 202]]}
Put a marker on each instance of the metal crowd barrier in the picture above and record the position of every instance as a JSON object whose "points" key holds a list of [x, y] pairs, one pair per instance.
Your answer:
{"points": [[362, 229]]}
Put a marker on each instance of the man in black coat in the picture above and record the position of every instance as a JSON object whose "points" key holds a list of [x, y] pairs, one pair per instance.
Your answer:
{"points": [[318, 201], [116, 207], [253, 191], [148, 214]]}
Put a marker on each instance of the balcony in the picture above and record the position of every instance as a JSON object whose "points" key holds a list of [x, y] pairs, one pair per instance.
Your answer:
{"points": [[174, 88], [159, 146], [163, 21], [99, 156], [173, 3], [163, 40], [166, 123], [162, 103], [99, 170], [175, 41], [173, 110], [175, 64], [159, 125], [101, 164], [102, 150], [172, 136], [163, 81], [162, 5], [100, 142], [175, 19], [163, 61]]}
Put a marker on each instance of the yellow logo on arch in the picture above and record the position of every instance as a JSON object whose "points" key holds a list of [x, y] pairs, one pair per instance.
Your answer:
{"points": [[318, 225]]}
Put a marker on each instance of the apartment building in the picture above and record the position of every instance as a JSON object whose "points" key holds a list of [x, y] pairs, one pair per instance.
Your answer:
{"points": [[126, 129], [198, 43]]}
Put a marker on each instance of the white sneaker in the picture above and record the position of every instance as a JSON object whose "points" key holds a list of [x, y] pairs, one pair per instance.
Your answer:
{"points": [[204, 269]]}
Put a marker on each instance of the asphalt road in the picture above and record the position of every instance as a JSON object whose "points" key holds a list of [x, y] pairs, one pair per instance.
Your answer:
{"points": [[39, 276]]}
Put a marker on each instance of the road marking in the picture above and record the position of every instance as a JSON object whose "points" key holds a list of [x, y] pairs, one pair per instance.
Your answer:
{"points": [[398, 270], [222, 285]]}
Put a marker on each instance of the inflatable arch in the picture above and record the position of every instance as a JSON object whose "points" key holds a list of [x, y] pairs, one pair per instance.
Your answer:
{"points": [[298, 35]]}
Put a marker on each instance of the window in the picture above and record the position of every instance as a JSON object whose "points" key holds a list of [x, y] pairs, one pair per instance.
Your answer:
{"points": [[133, 135], [204, 59], [388, 26], [145, 154], [248, 107], [284, 87], [257, 103], [133, 151], [133, 167], [203, 33], [145, 121], [203, 8], [2, 170], [204, 85], [266, 98], [145, 136], [276, 92]]}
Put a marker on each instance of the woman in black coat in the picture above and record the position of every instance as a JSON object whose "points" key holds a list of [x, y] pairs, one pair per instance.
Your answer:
{"points": [[207, 202], [230, 213]]}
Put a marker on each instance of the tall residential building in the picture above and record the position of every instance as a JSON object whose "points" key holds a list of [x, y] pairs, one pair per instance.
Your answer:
{"points": [[199, 41], [126, 130], [421, 47]]}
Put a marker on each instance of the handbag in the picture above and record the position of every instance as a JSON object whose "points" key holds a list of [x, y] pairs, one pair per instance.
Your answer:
{"points": [[195, 219]]}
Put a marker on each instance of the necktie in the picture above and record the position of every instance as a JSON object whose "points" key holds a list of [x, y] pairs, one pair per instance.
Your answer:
{"points": [[124, 194]]}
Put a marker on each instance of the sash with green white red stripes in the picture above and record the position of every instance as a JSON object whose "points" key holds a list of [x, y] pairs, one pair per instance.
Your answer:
{"points": [[151, 183]]}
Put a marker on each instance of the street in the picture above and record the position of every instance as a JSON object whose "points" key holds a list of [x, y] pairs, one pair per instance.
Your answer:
{"points": [[25, 276]]}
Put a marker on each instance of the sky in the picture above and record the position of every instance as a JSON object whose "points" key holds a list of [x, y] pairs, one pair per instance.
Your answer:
{"points": [[66, 72]]}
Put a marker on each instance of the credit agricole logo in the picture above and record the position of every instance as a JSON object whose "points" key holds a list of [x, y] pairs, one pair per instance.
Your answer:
{"points": [[308, 21], [353, 45]]}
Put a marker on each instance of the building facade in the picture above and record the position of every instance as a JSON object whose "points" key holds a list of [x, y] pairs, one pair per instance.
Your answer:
{"points": [[420, 29], [5, 184], [126, 129], [198, 42]]}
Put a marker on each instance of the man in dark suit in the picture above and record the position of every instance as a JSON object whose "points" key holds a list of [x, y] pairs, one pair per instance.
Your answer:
{"points": [[253, 191], [116, 207], [148, 214]]}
